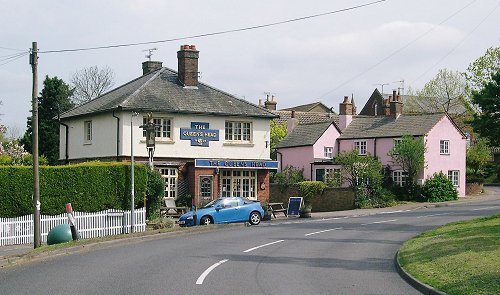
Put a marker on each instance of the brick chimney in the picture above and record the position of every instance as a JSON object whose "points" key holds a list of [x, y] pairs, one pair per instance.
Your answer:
{"points": [[346, 111], [187, 58], [396, 105], [150, 66], [292, 123], [270, 103]]}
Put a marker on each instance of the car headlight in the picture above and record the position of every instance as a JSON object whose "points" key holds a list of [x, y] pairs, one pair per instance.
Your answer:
{"points": [[190, 218]]}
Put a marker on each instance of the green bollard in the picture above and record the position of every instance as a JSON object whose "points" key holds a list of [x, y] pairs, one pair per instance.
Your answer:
{"points": [[59, 234]]}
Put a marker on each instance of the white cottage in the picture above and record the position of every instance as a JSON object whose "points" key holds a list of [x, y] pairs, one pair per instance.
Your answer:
{"points": [[208, 144]]}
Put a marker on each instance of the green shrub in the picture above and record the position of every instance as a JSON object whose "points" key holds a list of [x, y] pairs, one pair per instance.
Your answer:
{"points": [[439, 188], [288, 177], [89, 187], [154, 193], [184, 201], [311, 189]]}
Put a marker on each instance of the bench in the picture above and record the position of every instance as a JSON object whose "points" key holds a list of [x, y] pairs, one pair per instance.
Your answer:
{"points": [[171, 210], [276, 208]]}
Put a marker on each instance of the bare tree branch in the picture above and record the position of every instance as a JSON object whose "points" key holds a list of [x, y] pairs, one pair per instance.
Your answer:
{"points": [[90, 83]]}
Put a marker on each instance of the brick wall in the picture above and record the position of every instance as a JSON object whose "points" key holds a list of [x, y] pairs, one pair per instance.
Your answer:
{"points": [[332, 199]]}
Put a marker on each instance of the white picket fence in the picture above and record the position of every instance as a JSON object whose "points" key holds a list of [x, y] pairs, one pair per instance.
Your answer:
{"points": [[19, 230]]}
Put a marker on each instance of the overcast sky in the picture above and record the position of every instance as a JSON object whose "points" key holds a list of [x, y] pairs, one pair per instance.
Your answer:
{"points": [[316, 59]]}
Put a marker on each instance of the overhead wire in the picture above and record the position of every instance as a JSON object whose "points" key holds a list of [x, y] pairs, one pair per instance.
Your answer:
{"points": [[10, 59], [457, 45], [396, 51], [217, 33]]}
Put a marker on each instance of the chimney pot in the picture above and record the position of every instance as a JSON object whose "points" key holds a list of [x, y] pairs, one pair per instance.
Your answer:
{"points": [[346, 99], [293, 114], [192, 47]]}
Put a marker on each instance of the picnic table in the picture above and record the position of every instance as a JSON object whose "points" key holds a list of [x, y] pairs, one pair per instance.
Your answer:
{"points": [[276, 208]]}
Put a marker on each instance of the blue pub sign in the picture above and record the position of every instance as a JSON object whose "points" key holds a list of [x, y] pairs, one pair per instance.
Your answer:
{"points": [[246, 164], [199, 134]]}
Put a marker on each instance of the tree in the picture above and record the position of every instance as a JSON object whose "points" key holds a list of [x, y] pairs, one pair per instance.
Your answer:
{"points": [[478, 155], [480, 71], [447, 92], [487, 122], [278, 132], [53, 100], [363, 173], [409, 154], [90, 83]]}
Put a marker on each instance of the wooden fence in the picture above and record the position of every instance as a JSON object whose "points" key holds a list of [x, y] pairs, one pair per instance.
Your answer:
{"points": [[19, 230]]}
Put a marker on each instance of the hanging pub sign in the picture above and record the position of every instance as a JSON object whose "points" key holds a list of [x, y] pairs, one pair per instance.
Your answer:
{"points": [[200, 134]]}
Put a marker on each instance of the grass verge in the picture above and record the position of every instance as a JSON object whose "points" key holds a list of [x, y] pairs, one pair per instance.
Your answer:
{"points": [[458, 258]]}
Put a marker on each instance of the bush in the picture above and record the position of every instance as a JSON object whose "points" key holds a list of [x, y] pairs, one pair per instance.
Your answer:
{"points": [[89, 187], [383, 198], [185, 201], [439, 188], [154, 193], [311, 189], [289, 176]]}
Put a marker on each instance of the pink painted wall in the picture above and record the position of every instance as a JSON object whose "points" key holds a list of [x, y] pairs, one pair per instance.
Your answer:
{"points": [[298, 157], [445, 130], [328, 139], [347, 145]]}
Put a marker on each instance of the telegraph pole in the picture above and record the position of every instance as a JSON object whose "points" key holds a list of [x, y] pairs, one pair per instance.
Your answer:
{"points": [[34, 125]]}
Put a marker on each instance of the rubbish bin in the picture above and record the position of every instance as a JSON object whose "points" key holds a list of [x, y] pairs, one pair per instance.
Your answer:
{"points": [[59, 234]]}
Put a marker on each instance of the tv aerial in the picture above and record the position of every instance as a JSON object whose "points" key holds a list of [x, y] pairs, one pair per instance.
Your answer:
{"points": [[150, 52]]}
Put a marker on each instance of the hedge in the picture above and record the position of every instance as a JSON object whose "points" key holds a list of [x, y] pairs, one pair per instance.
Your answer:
{"points": [[89, 187]]}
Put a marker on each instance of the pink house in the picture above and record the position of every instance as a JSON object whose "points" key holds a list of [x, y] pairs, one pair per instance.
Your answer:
{"points": [[312, 147]]}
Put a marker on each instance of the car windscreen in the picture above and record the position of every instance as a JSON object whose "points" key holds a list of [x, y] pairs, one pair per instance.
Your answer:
{"points": [[211, 204]]}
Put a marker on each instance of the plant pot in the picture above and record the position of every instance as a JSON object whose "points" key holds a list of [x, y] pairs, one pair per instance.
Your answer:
{"points": [[305, 213]]}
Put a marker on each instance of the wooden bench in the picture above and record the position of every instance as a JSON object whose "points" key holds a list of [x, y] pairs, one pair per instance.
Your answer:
{"points": [[173, 212], [276, 208]]}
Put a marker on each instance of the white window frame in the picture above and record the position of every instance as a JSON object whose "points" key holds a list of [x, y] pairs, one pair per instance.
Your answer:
{"points": [[164, 129], [238, 131], [328, 152], [87, 132], [444, 147], [399, 177], [361, 147], [454, 176], [239, 183], [171, 177]]}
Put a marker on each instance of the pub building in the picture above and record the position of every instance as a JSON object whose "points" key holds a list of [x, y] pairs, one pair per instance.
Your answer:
{"points": [[208, 143]]}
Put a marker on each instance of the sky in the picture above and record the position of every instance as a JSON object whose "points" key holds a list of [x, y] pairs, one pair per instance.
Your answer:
{"points": [[315, 59]]}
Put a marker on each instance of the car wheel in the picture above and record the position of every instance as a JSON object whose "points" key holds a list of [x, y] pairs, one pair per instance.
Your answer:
{"points": [[206, 220], [254, 218]]}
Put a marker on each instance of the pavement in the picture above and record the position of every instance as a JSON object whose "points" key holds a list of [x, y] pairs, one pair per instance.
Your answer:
{"points": [[15, 254]]}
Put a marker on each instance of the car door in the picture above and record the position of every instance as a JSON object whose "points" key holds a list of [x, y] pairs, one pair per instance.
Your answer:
{"points": [[228, 211]]}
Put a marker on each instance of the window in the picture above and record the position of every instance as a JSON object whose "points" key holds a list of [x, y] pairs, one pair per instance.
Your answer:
{"points": [[87, 137], [360, 146], [399, 177], [454, 176], [163, 127], [238, 131], [239, 183], [206, 187], [444, 147], [397, 142], [328, 152], [170, 176]]}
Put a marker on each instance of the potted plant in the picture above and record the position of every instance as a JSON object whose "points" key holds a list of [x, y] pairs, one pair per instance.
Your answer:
{"points": [[309, 190], [267, 212]]}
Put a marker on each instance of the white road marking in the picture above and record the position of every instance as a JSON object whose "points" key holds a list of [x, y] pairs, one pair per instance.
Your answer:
{"points": [[384, 221], [323, 231], [438, 214], [254, 248], [200, 280], [485, 208]]}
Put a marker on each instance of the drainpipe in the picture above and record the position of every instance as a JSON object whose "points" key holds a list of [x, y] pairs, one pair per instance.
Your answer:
{"points": [[375, 147], [66, 156], [117, 136]]}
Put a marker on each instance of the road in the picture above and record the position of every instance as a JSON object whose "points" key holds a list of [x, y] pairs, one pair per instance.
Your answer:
{"points": [[337, 255]]}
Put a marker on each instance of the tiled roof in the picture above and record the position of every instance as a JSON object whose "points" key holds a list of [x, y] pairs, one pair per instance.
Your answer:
{"points": [[305, 134], [385, 126], [306, 117], [308, 107], [160, 91]]}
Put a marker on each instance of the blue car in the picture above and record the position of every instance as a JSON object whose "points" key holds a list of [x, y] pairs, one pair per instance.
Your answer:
{"points": [[224, 210]]}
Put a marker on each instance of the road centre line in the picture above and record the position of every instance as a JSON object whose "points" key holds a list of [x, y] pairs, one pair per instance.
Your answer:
{"points": [[485, 208], [322, 231], [268, 244], [200, 280], [384, 221], [438, 214]]}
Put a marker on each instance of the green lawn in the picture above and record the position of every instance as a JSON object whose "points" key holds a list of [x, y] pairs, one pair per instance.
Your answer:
{"points": [[458, 258]]}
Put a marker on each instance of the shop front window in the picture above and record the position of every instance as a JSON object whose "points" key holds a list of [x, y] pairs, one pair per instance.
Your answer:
{"points": [[239, 183]]}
